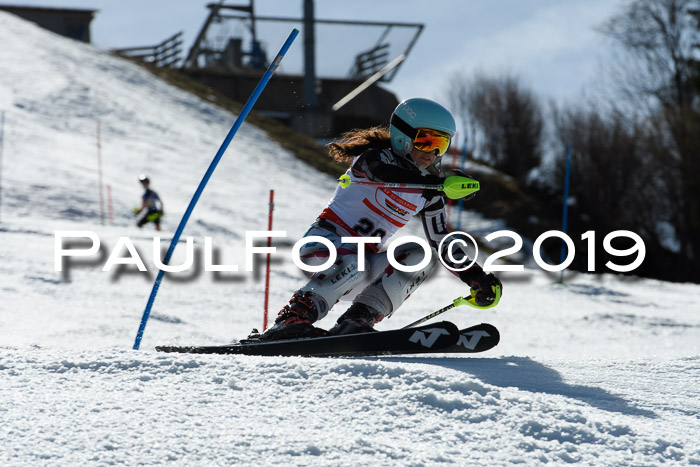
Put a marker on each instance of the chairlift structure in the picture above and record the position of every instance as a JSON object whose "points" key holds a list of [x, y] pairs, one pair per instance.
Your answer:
{"points": [[306, 101]]}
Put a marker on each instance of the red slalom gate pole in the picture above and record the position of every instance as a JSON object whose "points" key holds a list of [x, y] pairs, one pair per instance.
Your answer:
{"points": [[109, 203], [267, 268]]}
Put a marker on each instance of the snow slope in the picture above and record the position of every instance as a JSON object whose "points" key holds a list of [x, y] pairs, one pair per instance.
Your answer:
{"points": [[600, 371]]}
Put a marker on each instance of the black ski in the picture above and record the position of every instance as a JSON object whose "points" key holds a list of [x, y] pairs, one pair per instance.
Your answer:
{"points": [[428, 338], [474, 339]]}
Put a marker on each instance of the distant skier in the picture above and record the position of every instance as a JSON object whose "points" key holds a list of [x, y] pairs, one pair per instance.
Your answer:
{"points": [[151, 204], [407, 152]]}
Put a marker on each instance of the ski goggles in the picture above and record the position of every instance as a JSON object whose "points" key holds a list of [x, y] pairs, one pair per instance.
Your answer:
{"points": [[428, 140]]}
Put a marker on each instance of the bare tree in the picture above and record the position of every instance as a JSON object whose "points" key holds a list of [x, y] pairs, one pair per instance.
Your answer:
{"points": [[616, 165], [613, 165], [504, 120], [659, 37]]}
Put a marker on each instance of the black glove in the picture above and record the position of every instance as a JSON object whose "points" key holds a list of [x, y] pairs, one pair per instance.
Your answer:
{"points": [[430, 179], [483, 283]]}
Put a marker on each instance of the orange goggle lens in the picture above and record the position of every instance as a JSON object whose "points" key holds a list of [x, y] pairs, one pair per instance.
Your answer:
{"points": [[430, 140]]}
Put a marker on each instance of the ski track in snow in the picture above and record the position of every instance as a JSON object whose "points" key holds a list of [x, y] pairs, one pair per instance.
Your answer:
{"points": [[602, 371]]}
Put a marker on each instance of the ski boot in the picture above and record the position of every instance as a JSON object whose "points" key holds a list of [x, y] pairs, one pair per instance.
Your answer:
{"points": [[359, 318], [295, 320]]}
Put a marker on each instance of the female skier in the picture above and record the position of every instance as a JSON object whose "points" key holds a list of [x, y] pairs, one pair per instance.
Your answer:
{"points": [[419, 133]]}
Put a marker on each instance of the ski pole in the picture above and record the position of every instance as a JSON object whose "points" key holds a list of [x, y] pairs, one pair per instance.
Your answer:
{"points": [[455, 187], [455, 303], [232, 132], [459, 301], [344, 181]]}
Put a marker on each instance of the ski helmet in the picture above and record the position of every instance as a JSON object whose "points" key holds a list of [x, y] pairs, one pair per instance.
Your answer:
{"points": [[143, 178], [412, 114]]}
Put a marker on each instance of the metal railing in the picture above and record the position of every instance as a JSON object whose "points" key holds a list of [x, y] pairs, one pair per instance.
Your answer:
{"points": [[167, 54]]}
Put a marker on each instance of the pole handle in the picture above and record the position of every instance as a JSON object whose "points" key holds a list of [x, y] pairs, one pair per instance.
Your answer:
{"points": [[471, 301]]}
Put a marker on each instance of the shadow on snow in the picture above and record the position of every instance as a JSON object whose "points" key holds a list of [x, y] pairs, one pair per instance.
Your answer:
{"points": [[528, 375]]}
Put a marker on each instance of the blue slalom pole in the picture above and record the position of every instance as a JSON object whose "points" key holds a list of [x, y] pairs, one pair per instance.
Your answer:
{"points": [[566, 208], [460, 203], [232, 132]]}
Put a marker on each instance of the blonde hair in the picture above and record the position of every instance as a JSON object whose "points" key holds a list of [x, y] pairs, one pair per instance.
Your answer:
{"points": [[355, 142]]}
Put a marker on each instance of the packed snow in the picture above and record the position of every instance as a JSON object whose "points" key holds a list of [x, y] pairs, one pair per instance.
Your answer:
{"points": [[603, 370]]}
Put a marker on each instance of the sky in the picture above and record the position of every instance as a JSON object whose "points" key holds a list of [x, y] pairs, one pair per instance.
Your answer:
{"points": [[551, 45]]}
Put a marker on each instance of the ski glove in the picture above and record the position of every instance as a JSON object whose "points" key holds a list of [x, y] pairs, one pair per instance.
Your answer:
{"points": [[487, 286]]}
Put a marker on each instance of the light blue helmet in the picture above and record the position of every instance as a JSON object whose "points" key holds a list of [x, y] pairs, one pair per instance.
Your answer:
{"points": [[415, 113]]}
